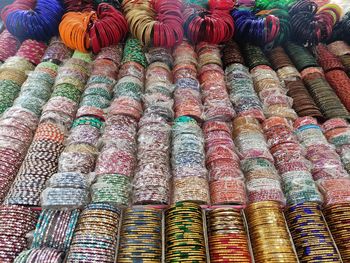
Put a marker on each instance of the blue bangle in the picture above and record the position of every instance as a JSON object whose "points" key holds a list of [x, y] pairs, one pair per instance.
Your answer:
{"points": [[40, 24]]}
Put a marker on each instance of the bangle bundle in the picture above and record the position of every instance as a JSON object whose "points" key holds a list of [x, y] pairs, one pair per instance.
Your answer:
{"points": [[253, 28], [152, 178], [242, 94], [213, 26], [335, 191], [316, 242], [326, 162], [290, 78], [285, 29], [111, 188], [190, 177], [335, 74], [336, 217], [226, 179], [8, 45], [312, 24], [16, 222], [13, 71], [187, 95], [267, 228], [254, 56], [93, 30], [66, 190], [293, 167], [262, 180], [116, 163], [37, 20], [215, 97], [156, 23], [301, 56], [226, 231], [231, 54], [337, 132], [342, 50], [95, 237], [141, 235], [56, 52], [55, 229], [327, 60], [323, 94], [268, 86], [32, 51], [184, 233]]}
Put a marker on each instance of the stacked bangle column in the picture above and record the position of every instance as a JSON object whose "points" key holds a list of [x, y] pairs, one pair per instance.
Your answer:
{"points": [[95, 237], [240, 84], [13, 71], [184, 233], [58, 114], [189, 180], [269, 234], [190, 176], [327, 169], [267, 84], [337, 132], [141, 235], [8, 45], [226, 180], [216, 103], [315, 243], [152, 178], [262, 180], [290, 78], [228, 240], [18, 123], [117, 159], [69, 188], [335, 74], [187, 94], [16, 222], [337, 217], [314, 79], [293, 167]]}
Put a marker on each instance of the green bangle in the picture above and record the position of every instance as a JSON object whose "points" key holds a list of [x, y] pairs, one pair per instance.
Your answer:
{"points": [[133, 52], [87, 57], [95, 122], [98, 91], [47, 64], [95, 101], [301, 56], [254, 56], [67, 90]]}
